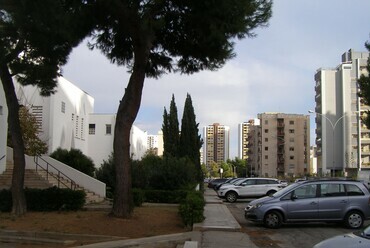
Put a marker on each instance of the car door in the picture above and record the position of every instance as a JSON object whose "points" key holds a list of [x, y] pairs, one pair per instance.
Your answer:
{"points": [[302, 203], [248, 188], [261, 187], [333, 201]]}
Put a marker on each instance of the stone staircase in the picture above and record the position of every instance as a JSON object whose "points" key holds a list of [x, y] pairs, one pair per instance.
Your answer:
{"points": [[41, 179]]}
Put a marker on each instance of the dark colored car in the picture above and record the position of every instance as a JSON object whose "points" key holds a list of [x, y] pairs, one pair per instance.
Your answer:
{"points": [[319, 200], [216, 182]]}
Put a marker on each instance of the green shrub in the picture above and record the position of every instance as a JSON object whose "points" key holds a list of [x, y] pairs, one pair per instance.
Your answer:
{"points": [[192, 208], [165, 196], [50, 199], [5, 200], [139, 197]]}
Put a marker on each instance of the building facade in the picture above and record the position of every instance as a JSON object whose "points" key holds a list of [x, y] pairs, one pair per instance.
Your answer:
{"points": [[216, 144], [243, 129], [66, 120], [155, 143], [343, 142], [280, 145], [254, 147]]}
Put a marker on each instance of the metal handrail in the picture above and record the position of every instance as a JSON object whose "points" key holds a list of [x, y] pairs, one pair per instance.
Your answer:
{"points": [[73, 183], [2, 157]]}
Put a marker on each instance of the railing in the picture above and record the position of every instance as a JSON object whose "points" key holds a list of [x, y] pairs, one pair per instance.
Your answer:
{"points": [[2, 157], [59, 175]]}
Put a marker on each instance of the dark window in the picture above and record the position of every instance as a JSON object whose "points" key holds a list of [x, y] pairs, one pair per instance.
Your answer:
{"points": [[91, 129], [353, 190], [332, 189]]}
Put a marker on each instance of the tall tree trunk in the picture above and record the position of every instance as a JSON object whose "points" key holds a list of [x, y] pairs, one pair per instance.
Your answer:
{"points": [[19, 200], [126, 115]]}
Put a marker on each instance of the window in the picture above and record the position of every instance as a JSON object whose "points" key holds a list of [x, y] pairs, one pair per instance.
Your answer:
{"points": [[266, 139], [108, 129], [266, 131], [63, 107], [291, 148], [77, 127], [82, 128], [266, 148], [1, 110], [291, 122], [266, 157], [306, 191], [266, 122], [291, 130], [91, 129], [291, 157], [353, 190], [332, 189]]}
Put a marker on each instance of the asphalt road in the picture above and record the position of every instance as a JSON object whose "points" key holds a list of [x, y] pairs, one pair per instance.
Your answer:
{"points": [[288, 236]]}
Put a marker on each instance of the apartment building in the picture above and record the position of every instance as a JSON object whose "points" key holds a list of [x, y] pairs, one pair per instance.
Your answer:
{"points": [[280, 145], [155, 143], [216, 144], [254, 147], [343, 142], [243, 129]]}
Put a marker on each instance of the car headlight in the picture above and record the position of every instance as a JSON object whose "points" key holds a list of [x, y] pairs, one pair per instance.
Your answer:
{"points": [[251, 207]]}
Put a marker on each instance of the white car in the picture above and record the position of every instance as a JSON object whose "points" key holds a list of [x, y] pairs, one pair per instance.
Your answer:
{"points": [[249, 187], [358, 239]]}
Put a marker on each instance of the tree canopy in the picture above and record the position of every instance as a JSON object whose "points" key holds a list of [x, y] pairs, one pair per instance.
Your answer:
{"points": [[364, 84]]}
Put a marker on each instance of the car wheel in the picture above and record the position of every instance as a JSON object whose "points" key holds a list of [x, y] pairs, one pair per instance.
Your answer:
{"points": [[231, 196], [354, 220], [271, 192], [273, 219]]}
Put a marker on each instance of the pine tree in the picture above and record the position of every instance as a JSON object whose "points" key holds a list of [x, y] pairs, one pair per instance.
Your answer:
{"points": [[190, 140]]}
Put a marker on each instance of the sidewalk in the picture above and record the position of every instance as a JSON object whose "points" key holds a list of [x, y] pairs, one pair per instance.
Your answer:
{"points": [[220, 229]]}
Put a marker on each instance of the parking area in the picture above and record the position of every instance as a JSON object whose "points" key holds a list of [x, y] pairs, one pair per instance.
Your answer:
{"points": [[291, 235]]}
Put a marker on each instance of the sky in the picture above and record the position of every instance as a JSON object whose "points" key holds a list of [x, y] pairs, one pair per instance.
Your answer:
{"points": [[273, 72]]}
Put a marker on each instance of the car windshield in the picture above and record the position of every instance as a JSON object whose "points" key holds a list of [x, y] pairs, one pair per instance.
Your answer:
{"points": [[284, 190]]}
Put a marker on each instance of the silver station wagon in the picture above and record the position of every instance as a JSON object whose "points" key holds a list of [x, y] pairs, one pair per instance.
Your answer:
{"points": [[317, 200]]}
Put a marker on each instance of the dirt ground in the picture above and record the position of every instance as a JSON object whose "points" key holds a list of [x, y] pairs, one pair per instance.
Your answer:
{"points": [[146, 221]]}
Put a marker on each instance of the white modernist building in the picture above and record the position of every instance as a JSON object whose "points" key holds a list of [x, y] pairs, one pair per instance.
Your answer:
{"points": [[67, 120], [343, 142]]}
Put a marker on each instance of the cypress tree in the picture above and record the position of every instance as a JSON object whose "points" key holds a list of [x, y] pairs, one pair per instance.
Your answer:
{"points": [[171, 133], [190, 140]]}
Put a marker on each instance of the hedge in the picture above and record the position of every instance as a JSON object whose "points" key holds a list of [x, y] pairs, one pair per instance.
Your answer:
{"points": [[50, 199]]}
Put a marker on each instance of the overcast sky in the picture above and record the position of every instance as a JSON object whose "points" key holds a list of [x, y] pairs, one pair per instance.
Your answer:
{"points": [[273, 72]]}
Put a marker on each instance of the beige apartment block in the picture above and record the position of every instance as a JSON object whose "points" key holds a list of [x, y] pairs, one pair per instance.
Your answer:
{"points": [[282, 145], [254, 146], [216, 144]]}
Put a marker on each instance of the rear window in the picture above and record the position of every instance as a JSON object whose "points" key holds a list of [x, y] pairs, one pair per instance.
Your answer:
{"points": [[353, 190]]}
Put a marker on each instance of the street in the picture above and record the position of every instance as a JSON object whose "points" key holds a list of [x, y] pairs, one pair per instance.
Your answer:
{"points": [[288, 236]]}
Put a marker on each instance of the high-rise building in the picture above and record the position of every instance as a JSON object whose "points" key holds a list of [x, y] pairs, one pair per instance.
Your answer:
{"points": [[343, 143], [216, 144], [253, 146], [280, 145], [243, 129], [155, 143]]}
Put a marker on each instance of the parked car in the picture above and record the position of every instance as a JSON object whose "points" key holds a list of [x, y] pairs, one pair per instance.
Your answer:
{"points": [[229, 181], [358, 239], [284, 182], [249, 187], [324, 200], [216, 181]]}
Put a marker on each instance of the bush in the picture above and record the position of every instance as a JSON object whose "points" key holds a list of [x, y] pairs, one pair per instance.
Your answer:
{"points": [[51, 199], [192, 208], [139, 197], [165, 196], [5, 200]]}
